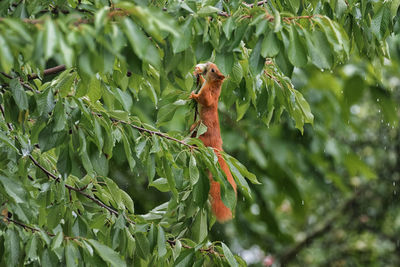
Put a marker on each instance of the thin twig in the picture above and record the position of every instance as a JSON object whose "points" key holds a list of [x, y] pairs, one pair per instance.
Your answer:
{"points": [[48, 173], [49, 71], [209, 250], [223, 14], [259, 3]]}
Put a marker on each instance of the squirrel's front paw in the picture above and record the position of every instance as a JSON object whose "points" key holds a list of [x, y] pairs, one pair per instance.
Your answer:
{"points": [[197, 71], [192, 95]]}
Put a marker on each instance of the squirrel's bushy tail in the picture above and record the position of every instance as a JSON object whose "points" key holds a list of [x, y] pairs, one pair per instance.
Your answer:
{"points": [[222, 212]]}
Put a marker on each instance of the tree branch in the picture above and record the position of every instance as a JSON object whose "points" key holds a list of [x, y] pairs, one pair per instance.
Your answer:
{"points": [[4, 115], [33, 229], [30, 21], [78, 190], [22, 83], [141, 129]]}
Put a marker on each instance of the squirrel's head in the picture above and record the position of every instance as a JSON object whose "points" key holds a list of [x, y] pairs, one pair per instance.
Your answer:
{"points": [[211, 72]]}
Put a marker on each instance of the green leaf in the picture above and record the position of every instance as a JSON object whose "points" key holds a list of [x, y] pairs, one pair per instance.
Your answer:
{"points": [[199, 228], [270, 45], [237, 72], [12, 248], [107, 254], [394, 7], [143, 246], [57, 240], [50, 38], [71, 255], [128, 152], [59, 117], [319, 49], [6, 59], [6, 140], [243, 170], [99, 163], [95, 90], [277, 21], [49, 259], [32, 248], [140, 147], [49, 139], [297, 53], [181, 43], [64, 86], [380, 22], [256, 61], [228, 27], [13, 189], [169, 175], [305, 107], [161, 242], [45, 101], [207, 10], [241, 182], [115, 191], [161, 184], [229, 256], [166, 113], [19, 94], [143, 48], [127, 200], [193, 171], [224, 61], [185, 259]]}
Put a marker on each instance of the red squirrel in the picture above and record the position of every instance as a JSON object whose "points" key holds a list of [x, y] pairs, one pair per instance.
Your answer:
{"points": [[207, 98]]}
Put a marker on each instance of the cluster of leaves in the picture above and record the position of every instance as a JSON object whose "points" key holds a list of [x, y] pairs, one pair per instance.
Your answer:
{"points": [[55, 129], [63, 134]]}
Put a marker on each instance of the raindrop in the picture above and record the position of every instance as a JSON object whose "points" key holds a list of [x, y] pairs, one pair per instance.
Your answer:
{"points": [[322, 70], [302, 202], [379, 111], [394, 183], [377, 100]]}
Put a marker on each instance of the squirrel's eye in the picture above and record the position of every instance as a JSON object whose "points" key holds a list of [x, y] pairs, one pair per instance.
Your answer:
{"points": [[212, 70]]}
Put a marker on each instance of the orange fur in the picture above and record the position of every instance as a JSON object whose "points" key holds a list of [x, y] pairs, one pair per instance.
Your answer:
{"points": [[208, 102]]}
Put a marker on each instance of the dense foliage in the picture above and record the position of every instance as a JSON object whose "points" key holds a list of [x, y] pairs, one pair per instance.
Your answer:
{"points": [[97, 163]]}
